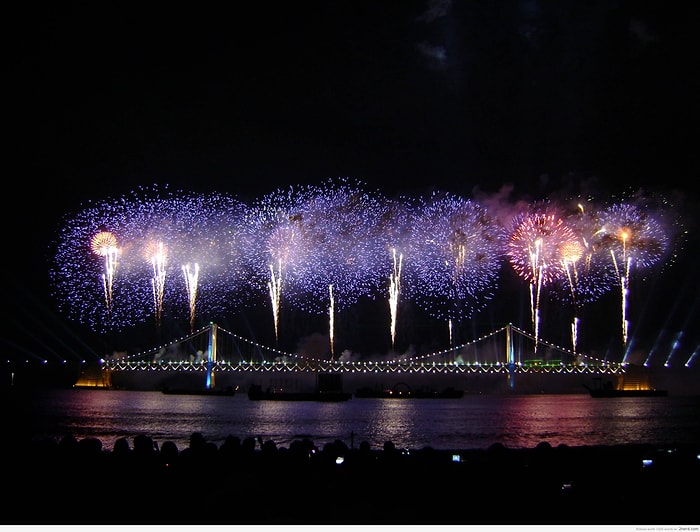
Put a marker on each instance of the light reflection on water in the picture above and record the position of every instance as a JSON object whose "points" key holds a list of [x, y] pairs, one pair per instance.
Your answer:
{"points": [[473, 422]]}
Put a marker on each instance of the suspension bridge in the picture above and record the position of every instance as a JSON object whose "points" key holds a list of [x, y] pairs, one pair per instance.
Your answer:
{"points": [[507, 351]]}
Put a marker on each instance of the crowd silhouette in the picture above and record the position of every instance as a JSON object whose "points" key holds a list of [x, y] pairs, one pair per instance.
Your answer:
{"points": [[254, 481]]}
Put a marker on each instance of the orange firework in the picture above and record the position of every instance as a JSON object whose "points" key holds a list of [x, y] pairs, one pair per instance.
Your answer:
{"points": [[571, 251], [103, 242]]}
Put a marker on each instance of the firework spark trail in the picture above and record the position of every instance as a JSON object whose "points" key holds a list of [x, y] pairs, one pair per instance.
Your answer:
{"points": [[536, 288], [394, 293], [104, 244], [393, 233], [589, 273], [632, 237], [447, 253], [339, 230], [277, 220], [624, 289], [535, 253], [275, 287], [206, 229], [331, 320], [571, 254], [71, 272], [456, 253], [157, 258], [191, 284]]}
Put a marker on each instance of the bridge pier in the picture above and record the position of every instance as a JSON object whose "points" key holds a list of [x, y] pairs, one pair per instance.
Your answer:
{"points": [[510, 358]]}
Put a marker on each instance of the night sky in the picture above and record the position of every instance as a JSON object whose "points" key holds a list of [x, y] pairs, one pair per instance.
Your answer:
{"points": [[528, 100]]}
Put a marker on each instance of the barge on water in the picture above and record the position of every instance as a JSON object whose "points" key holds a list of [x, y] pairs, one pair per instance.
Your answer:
{"points": [[635, 382], [328, 388]]}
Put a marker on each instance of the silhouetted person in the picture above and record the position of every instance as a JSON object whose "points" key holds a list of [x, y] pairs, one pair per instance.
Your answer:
{"points": [[121, 447], [230, 452], [169, 454], [145, 459], [89, 451], [232, 444], [268, 448], [248, 446], [68, 445]]}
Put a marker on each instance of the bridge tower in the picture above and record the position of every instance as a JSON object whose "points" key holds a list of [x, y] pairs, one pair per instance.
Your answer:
{"points": [[211, 356], [510, 357]]}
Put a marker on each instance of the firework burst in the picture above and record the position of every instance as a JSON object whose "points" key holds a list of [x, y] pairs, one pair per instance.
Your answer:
{"points": [[537, 251], [633, 238], [193, 228], [321, 248], [456, 251]]}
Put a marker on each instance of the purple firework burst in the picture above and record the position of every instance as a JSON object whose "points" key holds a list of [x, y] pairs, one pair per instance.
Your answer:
{"points": [[455, 256]]}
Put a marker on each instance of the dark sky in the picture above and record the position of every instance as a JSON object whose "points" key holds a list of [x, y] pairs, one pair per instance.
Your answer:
{"points": [[405, 96]]}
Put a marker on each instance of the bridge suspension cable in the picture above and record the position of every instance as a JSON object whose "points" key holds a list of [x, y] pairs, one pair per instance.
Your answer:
{"points": [[207, 350]]}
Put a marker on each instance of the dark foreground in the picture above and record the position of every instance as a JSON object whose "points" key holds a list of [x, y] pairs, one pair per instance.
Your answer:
{"points": [[258, 483]]}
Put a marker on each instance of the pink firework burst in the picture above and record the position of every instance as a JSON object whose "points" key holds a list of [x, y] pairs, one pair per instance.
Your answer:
{"points": [[538, 247]]}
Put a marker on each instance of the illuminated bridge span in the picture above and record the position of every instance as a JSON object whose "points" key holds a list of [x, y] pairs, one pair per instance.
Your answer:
{"points": [[507, 350]]}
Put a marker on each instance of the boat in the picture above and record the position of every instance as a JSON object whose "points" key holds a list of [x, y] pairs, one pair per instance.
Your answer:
{"points": [[229, 390], [256, 393], [614, 392], [328, 389], [403, 391], [635, 382]]}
